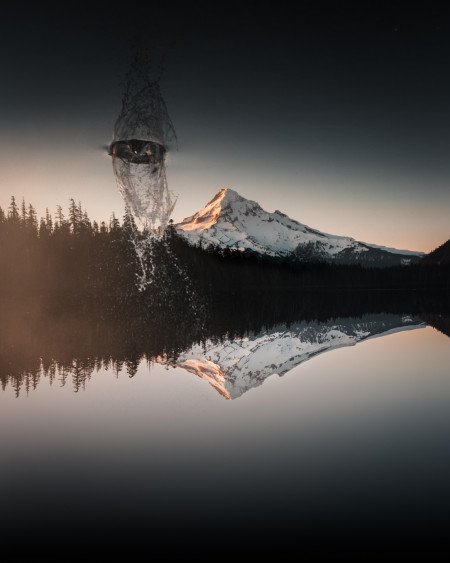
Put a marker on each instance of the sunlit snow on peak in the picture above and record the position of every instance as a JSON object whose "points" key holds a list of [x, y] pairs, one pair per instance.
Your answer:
{"points": [[231, 221]]}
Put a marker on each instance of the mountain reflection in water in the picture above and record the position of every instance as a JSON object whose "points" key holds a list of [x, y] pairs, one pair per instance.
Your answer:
{"points": [[348, 451], [234, 365], [241, 341]]}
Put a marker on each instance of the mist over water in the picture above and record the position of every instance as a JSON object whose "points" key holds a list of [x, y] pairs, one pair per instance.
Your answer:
{"points": [[129, 444]]}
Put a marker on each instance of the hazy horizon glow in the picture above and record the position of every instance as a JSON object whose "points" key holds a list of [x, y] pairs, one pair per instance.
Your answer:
{"points": [[341, 124]]}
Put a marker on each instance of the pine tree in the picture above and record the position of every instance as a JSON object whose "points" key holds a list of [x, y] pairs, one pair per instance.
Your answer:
{"points": [[42, 229], [86, 222], [13, 211], [48, 221], [59, 217], [129, 226], [74, 217], [32, 222], [23, 212], [114, 223]]}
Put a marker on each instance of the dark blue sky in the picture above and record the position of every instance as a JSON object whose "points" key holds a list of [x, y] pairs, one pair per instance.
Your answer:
{"points": [[338, 118]]}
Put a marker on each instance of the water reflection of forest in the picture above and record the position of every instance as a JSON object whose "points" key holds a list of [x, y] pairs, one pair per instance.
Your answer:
{"points": [[67, 340]]}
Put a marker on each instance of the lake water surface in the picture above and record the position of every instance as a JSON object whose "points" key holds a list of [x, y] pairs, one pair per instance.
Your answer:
{"points": [[350, 447]]}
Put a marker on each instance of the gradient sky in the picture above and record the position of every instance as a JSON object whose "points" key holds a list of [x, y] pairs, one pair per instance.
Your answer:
{"points": [[339, 119]]}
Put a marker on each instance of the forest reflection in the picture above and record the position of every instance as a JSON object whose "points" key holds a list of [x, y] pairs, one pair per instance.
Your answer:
{"points": [[67, 340]]}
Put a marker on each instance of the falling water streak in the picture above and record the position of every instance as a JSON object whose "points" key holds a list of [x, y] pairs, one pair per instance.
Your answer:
{"points": [[142, 134]]}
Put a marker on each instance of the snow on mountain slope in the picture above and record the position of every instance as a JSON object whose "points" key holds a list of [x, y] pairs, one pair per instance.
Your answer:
{"points": [[233, 366], [229, 220]]}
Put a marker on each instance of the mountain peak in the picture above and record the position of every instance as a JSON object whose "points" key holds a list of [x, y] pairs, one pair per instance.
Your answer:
{"points": [[207, 217], [225, 197], [231, 221]]}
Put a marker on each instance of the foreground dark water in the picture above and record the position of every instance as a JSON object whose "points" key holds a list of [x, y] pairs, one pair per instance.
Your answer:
{"points": [[117, 435]]}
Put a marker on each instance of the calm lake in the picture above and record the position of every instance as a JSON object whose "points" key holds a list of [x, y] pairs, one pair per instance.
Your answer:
{"points": [[328, 434]]}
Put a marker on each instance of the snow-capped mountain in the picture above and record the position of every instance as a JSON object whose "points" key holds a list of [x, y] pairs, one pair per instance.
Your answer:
{"points": [[233, 366], [229, 220]]}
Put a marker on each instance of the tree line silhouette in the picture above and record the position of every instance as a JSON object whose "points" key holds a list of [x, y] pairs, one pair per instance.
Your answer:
{"points": [[67, 342], [71, 304], [72, 255], [67, 254]]}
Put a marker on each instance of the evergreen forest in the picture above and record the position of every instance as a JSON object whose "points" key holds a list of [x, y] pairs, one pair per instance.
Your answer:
{"points": [[71, 302]]}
